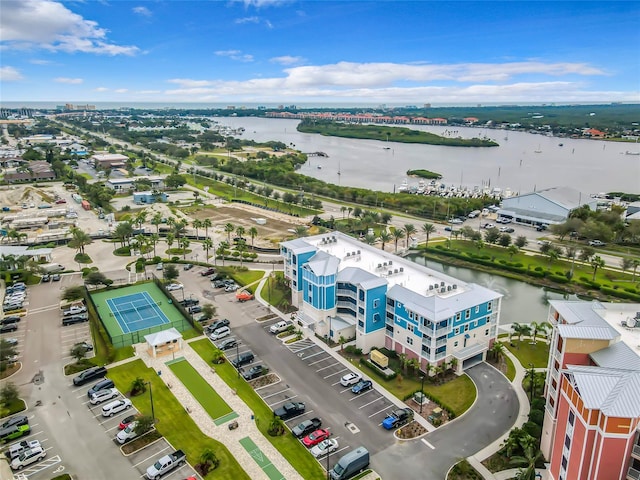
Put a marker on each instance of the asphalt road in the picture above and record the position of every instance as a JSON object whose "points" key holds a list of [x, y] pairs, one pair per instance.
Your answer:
{"points": [[494, 413]]}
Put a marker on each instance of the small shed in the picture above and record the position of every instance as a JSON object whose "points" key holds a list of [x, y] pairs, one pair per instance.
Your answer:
{"points": [[164, 342], [148, 197]]}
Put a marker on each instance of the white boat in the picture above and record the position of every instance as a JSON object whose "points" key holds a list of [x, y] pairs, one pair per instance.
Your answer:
{"points": [[628, 152], [404, 186]]}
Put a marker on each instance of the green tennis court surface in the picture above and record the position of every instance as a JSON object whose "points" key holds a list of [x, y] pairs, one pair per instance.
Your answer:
{"points": [[129, 313], [213, 403], [262, 461]]}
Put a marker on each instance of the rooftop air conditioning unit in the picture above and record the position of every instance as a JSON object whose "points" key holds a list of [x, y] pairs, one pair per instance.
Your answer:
{"points": [[430, 287], [443, 290], [401, 269], [442, 284], [455, 286], [389, 273], [358, 252], [395, 270], [448, 288], [390, 262], [348, 254]]}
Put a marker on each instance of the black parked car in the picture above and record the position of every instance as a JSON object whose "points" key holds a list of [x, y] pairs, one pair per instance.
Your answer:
{"points": [[17, 421], [10, 319], [189, 302], [195, 309], [216, 325], [90, 374], [227, 343], [208, 271], [243, 359], [11, 327], [253, 372]]}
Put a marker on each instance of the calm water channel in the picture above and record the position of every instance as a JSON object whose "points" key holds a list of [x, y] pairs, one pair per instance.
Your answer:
{"points": [[590, 166], [522, 303]]}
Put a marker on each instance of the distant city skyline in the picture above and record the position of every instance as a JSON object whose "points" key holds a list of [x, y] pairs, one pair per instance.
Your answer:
{"points": [[272, 52]]}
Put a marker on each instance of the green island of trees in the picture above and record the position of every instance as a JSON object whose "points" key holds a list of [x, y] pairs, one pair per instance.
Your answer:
{"points": [[383, 133], [424, 174]]}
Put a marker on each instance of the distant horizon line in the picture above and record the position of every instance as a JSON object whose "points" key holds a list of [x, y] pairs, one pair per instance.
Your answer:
{"points": [[47, 104]]}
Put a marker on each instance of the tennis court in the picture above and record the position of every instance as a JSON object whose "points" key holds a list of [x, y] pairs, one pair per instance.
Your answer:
{"points": [[129, 313], [136, 311]]}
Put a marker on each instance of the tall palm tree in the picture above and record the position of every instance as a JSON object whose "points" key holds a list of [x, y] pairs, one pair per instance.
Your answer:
{"points": [[409, 229], [428, 229], [157, 220], [343, 209], [240, 231], [253, 232], [206, 224], [140, 218], [241, 247], [635, 264], [497, 350], [531, 456], [154, 238], [229, 228], [397, 233], [170, 239], [301, 231], [197, 223], [596, 263], [207, 244], [79, 239], [184, 243], [384, 237]]}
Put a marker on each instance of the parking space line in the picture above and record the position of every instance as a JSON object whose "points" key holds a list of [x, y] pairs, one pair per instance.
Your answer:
{"points": [[335, 373], [360, 395], [379, 411], [373, 401], [155, 455], [342, 391], [297, 350], [297, 417], [427, 444], [328, 366], [272, 394], [288, 399], [328, 357], [314, 354]]}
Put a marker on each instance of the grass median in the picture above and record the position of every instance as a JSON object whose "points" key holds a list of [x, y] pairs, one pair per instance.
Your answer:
{"points": [[290, 448], [528, 352], [173, 422]]}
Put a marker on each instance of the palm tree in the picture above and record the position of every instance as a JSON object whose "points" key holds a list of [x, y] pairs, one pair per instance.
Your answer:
{"points": [[539, 327], [369, 239], [241, 247], [208, 461], [206, 224], [384, 238], [497, 350], [596, 262], [196, 224], [516, 329], [513, 249], [409, 229], [397, 233], [428, 229], [240, 231], [349, 210], [253, 232], [154, 238], [301, 231], [207, 244], [184, 243], [635, 264], [170, 239], [141, 217], [79, 239], [228, 228], [157, 220], [528, 461]]}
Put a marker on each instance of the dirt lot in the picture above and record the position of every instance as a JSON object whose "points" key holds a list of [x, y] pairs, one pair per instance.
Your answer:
{"points": [[275, 230]]}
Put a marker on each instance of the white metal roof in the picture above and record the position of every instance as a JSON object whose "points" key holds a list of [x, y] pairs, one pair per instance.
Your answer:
{"points": [[162, 337], [587, 332], [619, 355]]}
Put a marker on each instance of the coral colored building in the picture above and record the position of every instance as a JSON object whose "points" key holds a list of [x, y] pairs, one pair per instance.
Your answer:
{"points": [[592, 392]]}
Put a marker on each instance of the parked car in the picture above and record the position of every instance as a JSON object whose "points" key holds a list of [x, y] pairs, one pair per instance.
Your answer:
{"points": [[127, 433], [13, 432], [290, 410], [28, 457], [325, 447], [231, 288], [194, 309], [223, 322], [188, 266], [220, 333], [60, 201], [315, 437], [397, 418], [10, 319], [174, 286], [306, 427], [103, 395], [253, 372], [126, 421], [56, 277], [74, 310], [362, 386], [12, 327], [244, 296], [15, 421], [218, 284], [117, 406], [243, 359], [350, 379], [14, 450], [596, 243], [46, 278], [227, 343], [86, 345], [159, 266], [280, 326], [11, 341], [90, 374], [82, 317], [104, 384], [188, 302], [208, 271]]}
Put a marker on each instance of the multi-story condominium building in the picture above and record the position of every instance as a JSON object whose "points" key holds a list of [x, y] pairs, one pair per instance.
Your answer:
{"points": [[592, 392], [345, 288]]}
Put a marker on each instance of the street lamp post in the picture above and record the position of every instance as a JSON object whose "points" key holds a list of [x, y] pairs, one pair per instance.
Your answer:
{"points": [[238, 357], [422, 393], [153, 413], [328, 472], [531, 380]]}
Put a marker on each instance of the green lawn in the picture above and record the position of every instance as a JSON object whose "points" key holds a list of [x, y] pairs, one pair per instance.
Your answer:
{"points": [[213, 403], [174, 422], [287, 445], [511, 369], [538, 353], [274, 295]]}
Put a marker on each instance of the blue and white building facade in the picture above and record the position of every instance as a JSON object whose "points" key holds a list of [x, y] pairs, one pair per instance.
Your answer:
{"points": [[343, 287]]}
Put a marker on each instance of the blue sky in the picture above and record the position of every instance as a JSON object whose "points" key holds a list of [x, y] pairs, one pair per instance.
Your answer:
{"points": [[340, 52]]}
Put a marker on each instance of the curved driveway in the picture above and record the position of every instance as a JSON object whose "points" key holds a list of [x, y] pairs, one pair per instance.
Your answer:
{"points": [[494, 413]]}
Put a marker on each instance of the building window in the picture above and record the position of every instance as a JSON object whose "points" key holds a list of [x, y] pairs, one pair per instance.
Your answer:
{"points": [[455, 344], [466, 327], [489, 306], [477, 308], [411, 315], [564, 462], [572, 417], [410, 328], [361, 295], [409, 341], [467, 314], [458, 316], [456, 331], [376, 303], [567, 441], [390, 302]]}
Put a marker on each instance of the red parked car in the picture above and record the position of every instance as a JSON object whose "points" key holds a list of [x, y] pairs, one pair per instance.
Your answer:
{"points": [[315, 437], [126, 421]]}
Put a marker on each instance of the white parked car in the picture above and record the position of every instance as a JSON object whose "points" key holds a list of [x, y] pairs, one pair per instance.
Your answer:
{"points": [[281, 326], [231, 288], [325, 447], [117, 406], [19, 448], [74, 310], [220, 333], [350, 379], [127, 434], [103, 395], [175, 286], [28, 457]]}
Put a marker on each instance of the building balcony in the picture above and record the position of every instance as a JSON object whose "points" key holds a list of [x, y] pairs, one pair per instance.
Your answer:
{"points": [[441, 343], [633, 474], [346, 293], [348, 305], [440, 356]]}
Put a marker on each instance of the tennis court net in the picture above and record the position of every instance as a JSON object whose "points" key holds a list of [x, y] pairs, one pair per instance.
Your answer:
{"points": [[142, 310]]}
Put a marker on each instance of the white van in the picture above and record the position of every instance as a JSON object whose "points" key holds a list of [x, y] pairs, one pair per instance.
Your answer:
{"points": [[16, 449], [117, 406]]}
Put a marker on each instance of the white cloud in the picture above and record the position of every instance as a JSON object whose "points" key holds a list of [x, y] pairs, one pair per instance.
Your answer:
{"points": [[70, 81], [49, 25], [10, 74], [144, 11], [286, 60], [264, 3], [101, 89], [235, 55], [240, 21], [37, 61], [121, 90]]}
